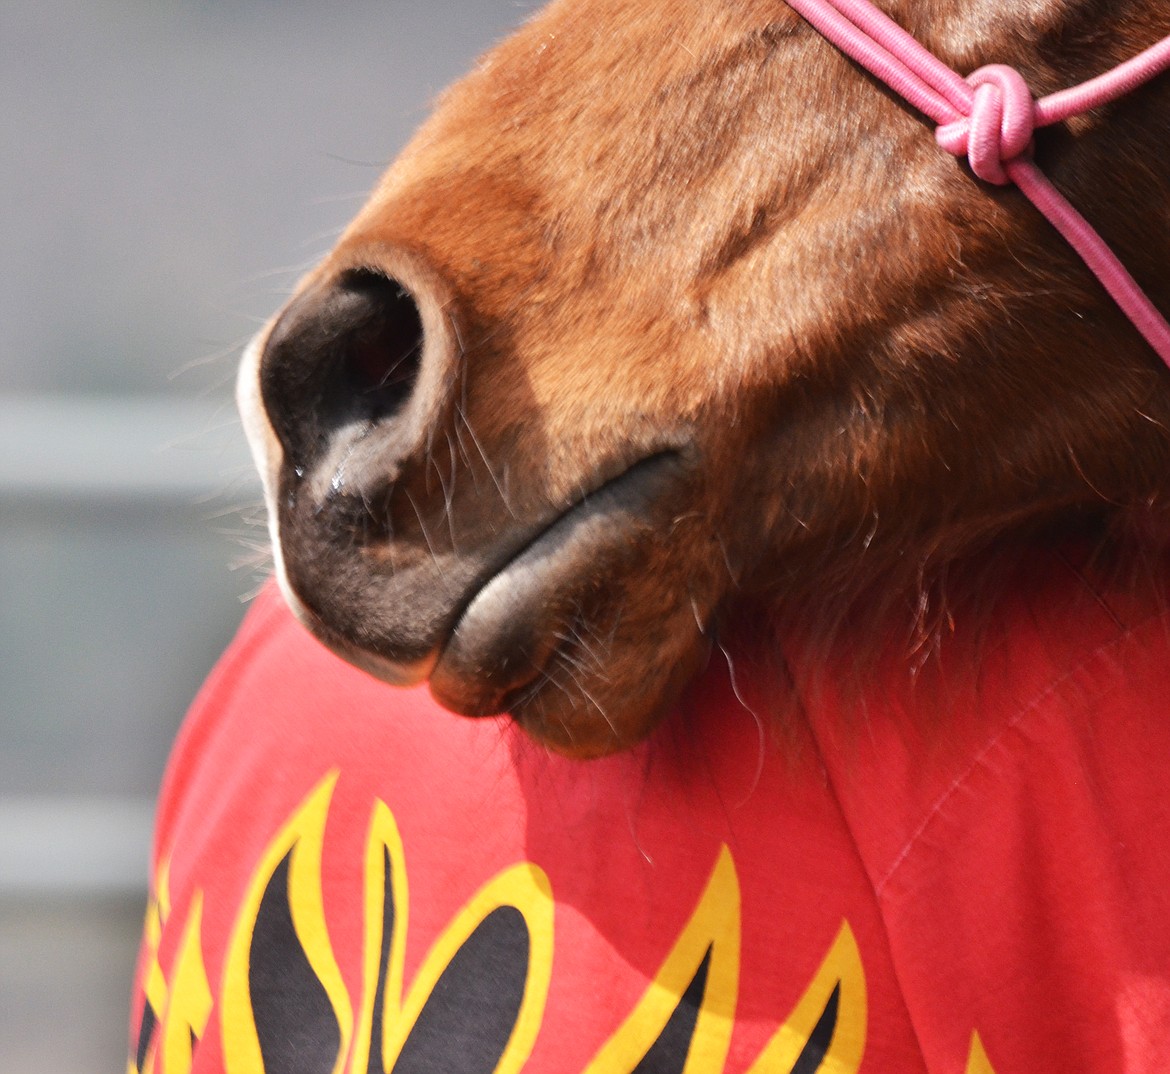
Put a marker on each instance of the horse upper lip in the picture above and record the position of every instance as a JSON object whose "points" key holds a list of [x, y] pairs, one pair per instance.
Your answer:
{"points": [[485, 608], [610, 492]]}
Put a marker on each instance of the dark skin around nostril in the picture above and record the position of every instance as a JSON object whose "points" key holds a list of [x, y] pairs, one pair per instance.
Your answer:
{"points": [[342, 355]]}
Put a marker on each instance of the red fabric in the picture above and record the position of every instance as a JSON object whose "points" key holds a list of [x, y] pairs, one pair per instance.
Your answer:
{"points": [[1022, 867], [993, 898]]}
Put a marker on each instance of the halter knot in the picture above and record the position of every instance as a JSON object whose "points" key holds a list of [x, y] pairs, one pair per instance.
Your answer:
{"points": [[998, 128]]}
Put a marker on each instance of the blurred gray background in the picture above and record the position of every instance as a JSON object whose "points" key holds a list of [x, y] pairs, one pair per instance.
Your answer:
{"points": [[167, 170]]}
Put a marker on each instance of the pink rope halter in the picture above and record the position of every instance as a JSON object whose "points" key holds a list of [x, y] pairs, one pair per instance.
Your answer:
{"points": [[989, 118]]}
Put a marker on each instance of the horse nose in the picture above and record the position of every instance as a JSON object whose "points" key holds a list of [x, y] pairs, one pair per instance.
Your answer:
{"points": [[341, 367]]}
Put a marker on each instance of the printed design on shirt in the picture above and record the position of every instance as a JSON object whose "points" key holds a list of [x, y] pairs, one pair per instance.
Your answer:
{"points": [[826, 1030], [174, 1013], [283, 994], [455, 1015], [476, 1002], [684, 1020], [977, 1061]]}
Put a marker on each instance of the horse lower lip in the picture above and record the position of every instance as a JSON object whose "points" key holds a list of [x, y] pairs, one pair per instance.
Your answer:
{"points": [[506, 632]]}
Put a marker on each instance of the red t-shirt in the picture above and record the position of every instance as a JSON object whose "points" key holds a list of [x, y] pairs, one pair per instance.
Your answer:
{"points": [[349, 879]]}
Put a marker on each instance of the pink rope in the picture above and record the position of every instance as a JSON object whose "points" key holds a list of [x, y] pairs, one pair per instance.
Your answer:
{"points": [[989, 118]]}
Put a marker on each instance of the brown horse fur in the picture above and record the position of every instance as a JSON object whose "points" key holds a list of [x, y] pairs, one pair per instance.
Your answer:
{"points": [[668, 308]]}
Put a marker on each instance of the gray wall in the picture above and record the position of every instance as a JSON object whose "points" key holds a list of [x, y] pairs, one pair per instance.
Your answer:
{"points": [[167, 169]]}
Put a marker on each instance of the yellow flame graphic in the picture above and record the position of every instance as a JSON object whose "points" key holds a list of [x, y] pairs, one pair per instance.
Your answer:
{"points": [[828, 1023], [384, 843], [301, 840], [713, 928], [155, 982], [523, 887], [841, 969], [183, 1004], [189, 1008], [977, 1061]]}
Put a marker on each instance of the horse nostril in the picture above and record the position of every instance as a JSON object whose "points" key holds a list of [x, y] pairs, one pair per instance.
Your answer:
{"points": [[382, 357], [341, 357]]}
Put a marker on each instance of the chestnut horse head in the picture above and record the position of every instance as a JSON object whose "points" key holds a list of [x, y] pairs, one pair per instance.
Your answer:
{"points": [[670, 307]]}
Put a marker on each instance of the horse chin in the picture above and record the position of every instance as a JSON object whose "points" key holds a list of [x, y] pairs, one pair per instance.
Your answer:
{"points": [[574, 707], [560, 726], [583, 680]]}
